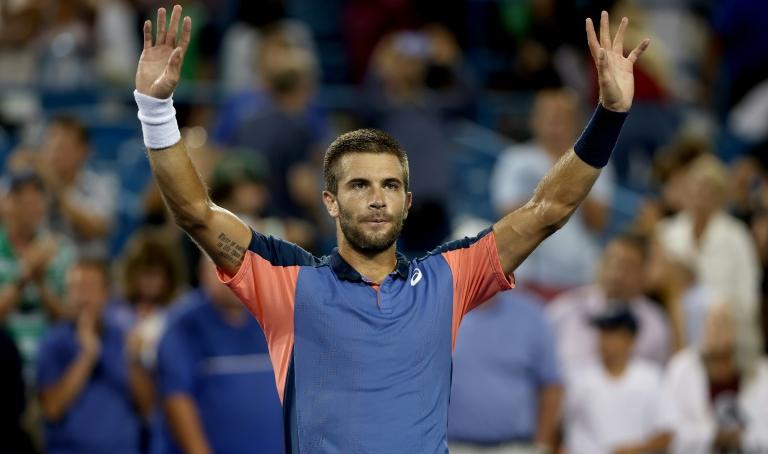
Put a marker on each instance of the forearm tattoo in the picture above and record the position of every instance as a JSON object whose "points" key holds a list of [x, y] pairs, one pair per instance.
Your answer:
{"points": [[229, 250]]}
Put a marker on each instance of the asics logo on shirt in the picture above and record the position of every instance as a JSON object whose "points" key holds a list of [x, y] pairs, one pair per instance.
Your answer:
{"points": [[416, 277]]}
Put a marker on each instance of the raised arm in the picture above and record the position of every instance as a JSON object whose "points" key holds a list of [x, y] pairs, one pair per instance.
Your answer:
{"points": [[218, 232], [567, 184]]}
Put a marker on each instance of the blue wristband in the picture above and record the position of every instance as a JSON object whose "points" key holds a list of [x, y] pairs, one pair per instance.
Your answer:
{"points": [[599, 137]]}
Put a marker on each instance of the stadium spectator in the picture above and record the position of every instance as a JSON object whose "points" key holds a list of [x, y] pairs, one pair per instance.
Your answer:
{"points": [[674, 284], [33, 265], [239, 183], [83, 202], [152, 276], [719, 390], [620, 284], [506, 387], [215, 379], [719, 247], [82, 374], [566, 259], [617, 406], [414, 88], [280, 121]]}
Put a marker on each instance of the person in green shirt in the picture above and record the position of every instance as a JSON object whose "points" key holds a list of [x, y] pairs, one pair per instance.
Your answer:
{"points": [[33, 263]]}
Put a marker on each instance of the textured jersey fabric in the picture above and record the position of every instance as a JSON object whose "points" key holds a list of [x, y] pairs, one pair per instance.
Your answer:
{"points": [[364, 367]]}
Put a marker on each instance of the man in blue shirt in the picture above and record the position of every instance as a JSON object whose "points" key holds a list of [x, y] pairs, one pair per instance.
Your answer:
{"points": [[507, 388], [361, 339], [214, 377], [82, 374]]}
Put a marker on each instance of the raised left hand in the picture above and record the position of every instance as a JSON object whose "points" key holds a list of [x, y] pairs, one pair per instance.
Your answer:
{"points": [[614, 70]]}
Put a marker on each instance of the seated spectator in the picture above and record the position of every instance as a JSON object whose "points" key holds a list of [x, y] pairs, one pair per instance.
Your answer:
{"points": [[566, 259], [620, 283], [506, 388], [33, 264], [617, 406], [83, 202], [215, 380], [719, 390], [82, 374], [720, 247]]}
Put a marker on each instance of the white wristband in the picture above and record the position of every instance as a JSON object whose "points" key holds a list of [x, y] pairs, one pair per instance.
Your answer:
{"points": [[158, 121]]}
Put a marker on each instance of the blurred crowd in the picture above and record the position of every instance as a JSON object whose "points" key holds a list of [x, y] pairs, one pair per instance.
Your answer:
{"points": [[640, 327]]}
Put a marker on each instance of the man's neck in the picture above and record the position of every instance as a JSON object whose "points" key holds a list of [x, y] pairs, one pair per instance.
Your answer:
{"points": [[374, 267]]}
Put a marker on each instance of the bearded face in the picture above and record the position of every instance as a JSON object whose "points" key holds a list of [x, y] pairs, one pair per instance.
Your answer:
{"points": [[371, 233], [371, 203]]}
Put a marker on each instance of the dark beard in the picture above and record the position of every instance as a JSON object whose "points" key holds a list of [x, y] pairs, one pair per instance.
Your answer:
{"points": [[363, 243]]}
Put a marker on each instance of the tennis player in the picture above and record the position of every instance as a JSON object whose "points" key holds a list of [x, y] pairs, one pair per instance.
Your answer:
{"points": [[361, 339]]}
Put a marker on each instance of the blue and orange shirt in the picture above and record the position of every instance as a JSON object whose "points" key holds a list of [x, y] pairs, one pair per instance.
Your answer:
{"points": [[362, 367]]}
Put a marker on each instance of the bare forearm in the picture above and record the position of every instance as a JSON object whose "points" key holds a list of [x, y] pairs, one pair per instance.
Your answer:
{"points": [[181, 186], [550, 399], [564, 187], [555, 199], [57, 399], [185, 424]]}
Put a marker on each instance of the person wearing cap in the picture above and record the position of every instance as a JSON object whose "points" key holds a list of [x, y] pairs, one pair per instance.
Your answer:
{"points": [[618, 405], [33, 264]]}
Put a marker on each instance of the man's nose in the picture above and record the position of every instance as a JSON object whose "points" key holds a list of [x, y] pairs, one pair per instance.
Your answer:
{"points": [[377, 199]]}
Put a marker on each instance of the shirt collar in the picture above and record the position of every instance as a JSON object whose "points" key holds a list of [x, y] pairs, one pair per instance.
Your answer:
{"points": [[344, 270]]}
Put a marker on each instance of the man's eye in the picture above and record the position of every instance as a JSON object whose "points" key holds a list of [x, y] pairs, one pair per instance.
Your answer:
{"points": [[358, 185], [393, 186]]}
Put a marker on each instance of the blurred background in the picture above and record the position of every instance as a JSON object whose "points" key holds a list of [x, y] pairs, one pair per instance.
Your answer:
{"points": [[484, 95]]}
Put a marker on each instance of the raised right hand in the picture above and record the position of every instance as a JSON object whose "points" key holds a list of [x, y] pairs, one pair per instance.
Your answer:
{"points": [[160, 64]]}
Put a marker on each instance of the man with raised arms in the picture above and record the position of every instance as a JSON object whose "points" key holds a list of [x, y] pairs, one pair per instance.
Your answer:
{"points": [[361, 339]]}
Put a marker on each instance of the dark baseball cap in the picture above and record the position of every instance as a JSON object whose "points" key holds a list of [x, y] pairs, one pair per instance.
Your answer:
{"points": [[616, 318]]}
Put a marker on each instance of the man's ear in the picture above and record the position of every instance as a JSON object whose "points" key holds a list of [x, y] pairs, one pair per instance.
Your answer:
{"points": [[331, 204], [408, 203]]}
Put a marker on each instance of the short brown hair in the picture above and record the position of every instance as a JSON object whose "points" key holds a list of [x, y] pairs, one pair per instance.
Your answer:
{"points": [[360, 141]]}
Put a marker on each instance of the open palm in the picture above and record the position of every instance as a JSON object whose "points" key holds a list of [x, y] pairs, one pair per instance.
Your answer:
{"points": [[160, 64], [614, 70]]}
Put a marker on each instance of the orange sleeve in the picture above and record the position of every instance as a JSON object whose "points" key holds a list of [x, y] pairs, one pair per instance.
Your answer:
{"points": [[477, 276], [269, 293]]}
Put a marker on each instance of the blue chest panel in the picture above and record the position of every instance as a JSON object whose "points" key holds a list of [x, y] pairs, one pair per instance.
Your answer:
{"points": [[372, 371]]}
